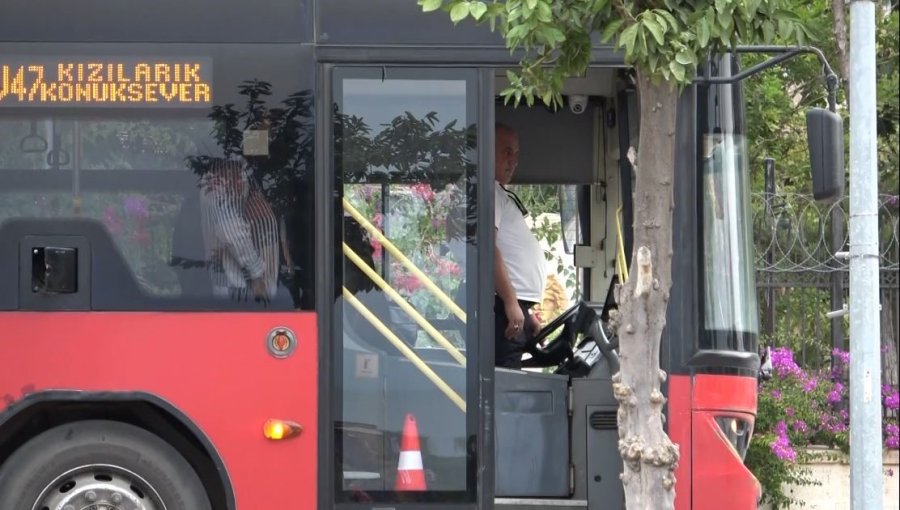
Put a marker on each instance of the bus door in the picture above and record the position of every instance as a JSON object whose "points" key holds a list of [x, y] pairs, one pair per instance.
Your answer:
{"points": [[405, 359]]}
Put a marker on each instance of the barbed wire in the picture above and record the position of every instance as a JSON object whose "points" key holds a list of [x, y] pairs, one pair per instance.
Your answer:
{"points": [[793, 234]]}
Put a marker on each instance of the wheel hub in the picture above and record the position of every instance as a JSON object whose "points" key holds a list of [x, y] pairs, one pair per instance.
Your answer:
{"points": [[99, 487]]}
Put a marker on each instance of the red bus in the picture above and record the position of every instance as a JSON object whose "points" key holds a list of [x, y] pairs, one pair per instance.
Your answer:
{"points": [[242, 255]]}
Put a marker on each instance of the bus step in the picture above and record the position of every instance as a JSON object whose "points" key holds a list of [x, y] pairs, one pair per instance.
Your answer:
{"points": [[540, 504]]}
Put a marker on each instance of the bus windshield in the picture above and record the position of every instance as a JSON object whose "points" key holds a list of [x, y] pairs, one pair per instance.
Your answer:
{"points": [[730, 317], [728, 284]]}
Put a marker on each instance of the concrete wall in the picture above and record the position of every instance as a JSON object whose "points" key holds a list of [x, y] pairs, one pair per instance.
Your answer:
{"points": [[833, 471]]}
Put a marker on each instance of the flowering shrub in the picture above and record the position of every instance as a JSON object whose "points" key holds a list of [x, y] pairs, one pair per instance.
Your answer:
{"points": [[796, 409]]}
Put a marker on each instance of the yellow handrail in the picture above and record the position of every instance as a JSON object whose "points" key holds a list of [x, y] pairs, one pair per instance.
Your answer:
{"points": [[405, 350], [397, 298], [444, 298], [621, 262]]}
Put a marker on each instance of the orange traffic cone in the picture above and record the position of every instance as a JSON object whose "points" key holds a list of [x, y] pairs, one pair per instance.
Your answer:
{"points": [[410, 473]]}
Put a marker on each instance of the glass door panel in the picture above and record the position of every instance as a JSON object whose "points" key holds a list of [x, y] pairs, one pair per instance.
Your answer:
{"points": [[404, 172]]}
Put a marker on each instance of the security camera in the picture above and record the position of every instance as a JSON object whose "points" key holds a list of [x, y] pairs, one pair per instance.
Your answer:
{"points": [[578, 103]]}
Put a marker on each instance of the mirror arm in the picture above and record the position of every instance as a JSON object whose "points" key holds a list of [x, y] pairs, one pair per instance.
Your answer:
{"points": [[783, 53]]}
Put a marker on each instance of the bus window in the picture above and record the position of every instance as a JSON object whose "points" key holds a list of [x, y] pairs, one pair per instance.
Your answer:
{"points": [[155, 150], [730, 312], [404, 164]]}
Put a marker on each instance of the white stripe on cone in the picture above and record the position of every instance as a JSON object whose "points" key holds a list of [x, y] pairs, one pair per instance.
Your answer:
{"points": [[410, 461]]}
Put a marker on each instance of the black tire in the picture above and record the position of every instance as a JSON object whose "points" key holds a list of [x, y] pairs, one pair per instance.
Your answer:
{"points": [[123, 461]]}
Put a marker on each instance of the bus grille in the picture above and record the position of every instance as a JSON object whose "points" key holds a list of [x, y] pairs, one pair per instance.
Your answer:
{"points": [[603, 420]]}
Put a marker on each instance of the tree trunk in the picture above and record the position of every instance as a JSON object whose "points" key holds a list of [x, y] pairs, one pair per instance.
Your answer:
{"points": [[839, 30], [649, 455]]}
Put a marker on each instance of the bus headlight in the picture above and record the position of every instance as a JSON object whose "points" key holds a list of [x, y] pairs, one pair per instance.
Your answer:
{"points": [[738, 432]]}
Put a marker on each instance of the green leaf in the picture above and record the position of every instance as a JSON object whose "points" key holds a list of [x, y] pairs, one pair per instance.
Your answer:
{"points": [[478, 9], [626, 40], [684, 57], [788, 15], [556, 35], [459, 12], [695, 17], [785, 28], [611, 30], [703, 33], [430, 5], [508, 91], [640, 48], [599, 5], [654, 27], [660, 19], [677, 70], [721, 5], [801, 35], [547, 97], [532, 4], [726, 22], [711, 21], [544, 13], [673, 22], [516, 32]]}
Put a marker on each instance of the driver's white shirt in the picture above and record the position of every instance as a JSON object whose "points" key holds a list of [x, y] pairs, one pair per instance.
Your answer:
{"points": [[520, 249]]}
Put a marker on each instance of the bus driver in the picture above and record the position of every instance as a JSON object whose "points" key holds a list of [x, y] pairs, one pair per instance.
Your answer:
{"points": [[519, 272]]}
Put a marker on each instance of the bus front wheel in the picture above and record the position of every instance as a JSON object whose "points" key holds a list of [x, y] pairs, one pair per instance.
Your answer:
{"points": [[99, 464]]}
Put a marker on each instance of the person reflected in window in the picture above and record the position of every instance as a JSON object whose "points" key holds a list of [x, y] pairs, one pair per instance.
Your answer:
{"points": [[240, 234], [519, 271]]}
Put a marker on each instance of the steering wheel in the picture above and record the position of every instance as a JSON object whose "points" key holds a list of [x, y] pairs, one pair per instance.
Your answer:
{"points": [[555, 324]]}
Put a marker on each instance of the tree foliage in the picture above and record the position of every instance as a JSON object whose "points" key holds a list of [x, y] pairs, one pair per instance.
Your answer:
{"points": [[669, 39]]}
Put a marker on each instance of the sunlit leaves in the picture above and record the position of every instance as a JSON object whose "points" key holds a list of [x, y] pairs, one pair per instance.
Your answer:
{"points": [[668, 38], [430, 5], [459, 11], [611, 30], [478, 9]]}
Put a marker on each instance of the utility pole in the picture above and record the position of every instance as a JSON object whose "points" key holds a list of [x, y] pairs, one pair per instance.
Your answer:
{"points": [[865, 324], [770, 289]]}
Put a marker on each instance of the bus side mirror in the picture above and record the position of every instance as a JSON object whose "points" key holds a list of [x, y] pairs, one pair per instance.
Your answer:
{"points": [[825, 135]]}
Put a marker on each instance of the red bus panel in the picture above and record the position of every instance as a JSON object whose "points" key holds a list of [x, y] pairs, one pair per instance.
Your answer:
{"points": [[213, 367], [718, 475]]}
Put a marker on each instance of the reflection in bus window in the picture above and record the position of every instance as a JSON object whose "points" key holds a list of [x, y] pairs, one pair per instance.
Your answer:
{"points": [[240, 233], [194, 233], [140, 225]]}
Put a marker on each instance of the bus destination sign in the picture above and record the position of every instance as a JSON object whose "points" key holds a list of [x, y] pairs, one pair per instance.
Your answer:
{"points": [[117, 82]]}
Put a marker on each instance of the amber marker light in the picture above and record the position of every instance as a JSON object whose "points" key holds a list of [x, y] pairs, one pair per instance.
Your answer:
{"points": [[277, 430]]}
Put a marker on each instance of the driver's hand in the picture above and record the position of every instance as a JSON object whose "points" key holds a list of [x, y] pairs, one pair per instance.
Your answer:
{"points": [[515, 320], [535, 319]]}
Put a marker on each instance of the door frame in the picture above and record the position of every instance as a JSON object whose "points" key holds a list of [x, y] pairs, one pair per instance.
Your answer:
{"points": [[480, 376]]}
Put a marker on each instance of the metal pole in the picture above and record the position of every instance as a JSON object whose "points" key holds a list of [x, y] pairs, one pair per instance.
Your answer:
{"points": [[770, 289], [865, 327], [837, 278]]}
